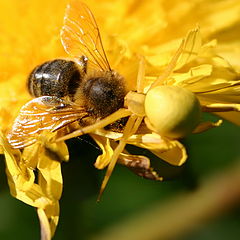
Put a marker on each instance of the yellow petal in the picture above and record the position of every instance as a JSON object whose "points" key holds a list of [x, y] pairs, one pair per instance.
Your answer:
{"points": [[104, 143], [175, 155], [30, 155], [228, 92], [48, 218], [170, 151], [21, 178], [161, 55], [191, 78], [229, 46], [60, 150], [50, 176], [44, 225]]}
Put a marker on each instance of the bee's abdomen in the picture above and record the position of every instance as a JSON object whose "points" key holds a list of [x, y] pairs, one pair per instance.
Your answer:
{"points": [[54, 78]]}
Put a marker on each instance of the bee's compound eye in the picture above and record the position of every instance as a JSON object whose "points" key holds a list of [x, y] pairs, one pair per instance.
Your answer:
{"points": [[172, 111]]}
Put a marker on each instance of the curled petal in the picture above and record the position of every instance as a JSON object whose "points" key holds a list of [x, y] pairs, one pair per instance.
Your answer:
{"points": [[49, 175], [21, 178], [63, 151], [51, 183], [29, 155], [44, 225], [107, 151], [170, 151], [175, 155], [60, 151], [48, 218]]}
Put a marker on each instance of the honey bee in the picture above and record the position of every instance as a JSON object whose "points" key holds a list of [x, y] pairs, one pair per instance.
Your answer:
{"points": [[82, 90], [85, 89]]}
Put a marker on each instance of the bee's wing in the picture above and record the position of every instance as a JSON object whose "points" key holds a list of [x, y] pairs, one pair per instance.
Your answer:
{"points": [[80, 35], [43, 113]]}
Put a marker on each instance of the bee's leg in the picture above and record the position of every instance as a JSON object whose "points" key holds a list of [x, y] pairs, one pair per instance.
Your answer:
{"points": [[121, 113]]}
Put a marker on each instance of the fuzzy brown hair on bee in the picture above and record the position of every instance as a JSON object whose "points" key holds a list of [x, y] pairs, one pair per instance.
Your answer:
{"points": [[102, 93]]}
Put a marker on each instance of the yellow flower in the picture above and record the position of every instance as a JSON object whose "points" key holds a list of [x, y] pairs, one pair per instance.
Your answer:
{"points": [[142, 42]]}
